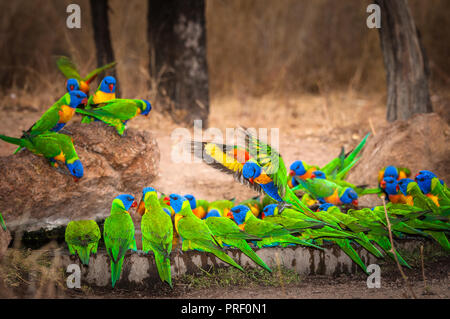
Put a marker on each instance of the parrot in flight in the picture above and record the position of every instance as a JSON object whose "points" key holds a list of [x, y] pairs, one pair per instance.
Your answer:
{"points": [[118, 233], [226, 231], [118, 112], [82, 237], [194, 231], [69, 70], [57, 116], [53, 146], [157, 232]]}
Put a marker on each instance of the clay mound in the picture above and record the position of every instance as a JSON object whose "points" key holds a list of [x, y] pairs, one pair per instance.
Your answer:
{"points": [[33, 194], [421, 142]]}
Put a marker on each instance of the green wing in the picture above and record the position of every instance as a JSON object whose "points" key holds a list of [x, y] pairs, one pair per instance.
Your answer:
{"points": [[2, 222], [93, 74], [269, 159], [68, 68], [318, 188]]}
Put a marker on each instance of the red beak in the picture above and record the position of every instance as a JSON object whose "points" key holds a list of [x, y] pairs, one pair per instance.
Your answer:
{"points": [[291, 173], [263, 215], [397, 188], [71, 87], [230, 215], [383, 184], [251, 180], [111, 87], [75, 179], [134, 204], [84, 101], [313, 176], [355, 202]]}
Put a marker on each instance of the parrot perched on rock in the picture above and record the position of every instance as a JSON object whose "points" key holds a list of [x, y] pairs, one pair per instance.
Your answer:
{"points": [[194, 231], [118, 112], [118, 233], [157, 232], [254, 204], [57, 116], [53, 146], [271, 234], [69, 70], [82, 237], [226, 231], [105, 92]]}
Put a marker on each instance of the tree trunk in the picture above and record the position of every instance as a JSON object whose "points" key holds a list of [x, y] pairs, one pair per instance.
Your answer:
{"points": [[178, 67], [405, 61], [102, 37]]}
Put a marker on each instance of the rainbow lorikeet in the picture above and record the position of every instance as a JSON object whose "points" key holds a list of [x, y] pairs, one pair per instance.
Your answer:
{"points": [[105, 92], [254, 204], [199, 207], [69, 70], [194, 232], [433, 187], [82, 237], [270, 234], [118, 233], [392, 189], [226, 231], [336, 169], [157, 232], [223, 206], [327, 191], [118, 112], [57, 116], [360, 190], [53, 146]]}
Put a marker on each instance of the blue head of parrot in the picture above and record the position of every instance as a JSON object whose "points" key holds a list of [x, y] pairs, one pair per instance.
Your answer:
{"points": [[141, 206], [191, 200], [127, 201], [391, 171], [390, 185], [423, 179], [324, 207], [176, 202], [297, 169], [319, 175], [147, 190], [108, 84], [76, 169], [239, 212], [213, 213], [251, 170], [72, 85], [349, 196], [403, 185], [77, 98], [147, 108], [269, 210]]}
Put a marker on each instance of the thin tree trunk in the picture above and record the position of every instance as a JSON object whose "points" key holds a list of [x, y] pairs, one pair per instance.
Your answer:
{"points": [[102, 37], [405, 61], [177, 41]]}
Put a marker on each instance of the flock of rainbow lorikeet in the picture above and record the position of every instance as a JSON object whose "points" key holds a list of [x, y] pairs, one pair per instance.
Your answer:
{"points": [[283, 217], [46, 138], [286, 215]]}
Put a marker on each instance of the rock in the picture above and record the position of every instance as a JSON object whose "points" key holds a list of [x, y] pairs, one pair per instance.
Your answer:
{"points": [[422, 142], [5, 239], [35, 195]]}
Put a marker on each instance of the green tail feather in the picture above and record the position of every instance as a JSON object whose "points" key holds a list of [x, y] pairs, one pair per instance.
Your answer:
{"points": [[440, 238], [356, 151], [348, 249], [210, 247], [163, 266], [18, 150], [84, 254], [12, 140], [116, 270], [246, 249], [2, 222], [366, 244], [385, 244]]}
